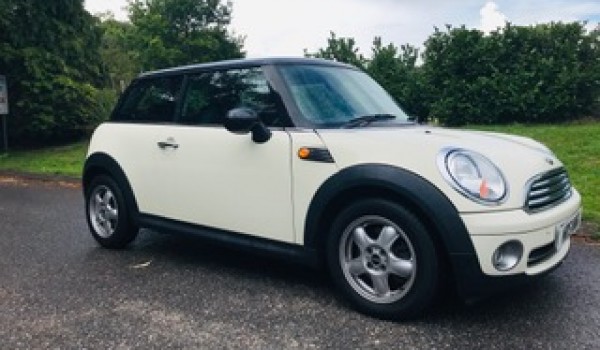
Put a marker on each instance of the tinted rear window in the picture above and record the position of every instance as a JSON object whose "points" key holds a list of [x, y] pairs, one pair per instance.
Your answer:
{"points": [[151, 100]]}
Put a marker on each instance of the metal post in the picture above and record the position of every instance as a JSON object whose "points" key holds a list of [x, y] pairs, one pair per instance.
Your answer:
{"points": [[5, 133], [4, 109]]}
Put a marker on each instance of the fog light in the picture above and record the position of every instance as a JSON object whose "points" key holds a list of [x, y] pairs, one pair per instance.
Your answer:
{"points": [[507, 255]]}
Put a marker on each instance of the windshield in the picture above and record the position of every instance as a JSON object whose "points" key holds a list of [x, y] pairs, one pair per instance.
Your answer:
{"points": [[335, 96]]}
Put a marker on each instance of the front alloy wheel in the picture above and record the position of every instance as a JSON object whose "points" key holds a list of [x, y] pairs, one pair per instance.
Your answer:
{"points": [[383, 259], [377, 259]]}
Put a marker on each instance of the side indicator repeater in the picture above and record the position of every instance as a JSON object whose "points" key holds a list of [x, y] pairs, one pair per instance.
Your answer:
{"points": [[315, 154], [303, 153]]}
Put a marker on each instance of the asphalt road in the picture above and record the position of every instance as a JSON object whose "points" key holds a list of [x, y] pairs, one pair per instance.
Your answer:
{"points": [[58, 289]]}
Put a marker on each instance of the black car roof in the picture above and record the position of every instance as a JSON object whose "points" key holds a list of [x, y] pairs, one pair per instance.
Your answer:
{"points": [[241, 63]]}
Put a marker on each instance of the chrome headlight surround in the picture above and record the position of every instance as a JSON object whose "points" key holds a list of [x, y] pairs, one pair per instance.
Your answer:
{"points": [[473, 175]]}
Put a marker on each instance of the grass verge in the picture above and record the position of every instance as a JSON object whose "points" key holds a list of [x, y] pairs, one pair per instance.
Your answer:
{"points": [[64, 160]]}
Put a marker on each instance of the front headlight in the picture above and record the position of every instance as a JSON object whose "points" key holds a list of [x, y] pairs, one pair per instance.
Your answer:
{"points": [[473, 175]]}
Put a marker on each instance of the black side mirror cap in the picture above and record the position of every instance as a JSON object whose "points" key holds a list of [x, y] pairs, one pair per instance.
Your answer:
{"points": [[244, 120]]}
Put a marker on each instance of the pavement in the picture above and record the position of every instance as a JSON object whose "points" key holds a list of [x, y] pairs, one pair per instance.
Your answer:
{"points": [[59, 289]]}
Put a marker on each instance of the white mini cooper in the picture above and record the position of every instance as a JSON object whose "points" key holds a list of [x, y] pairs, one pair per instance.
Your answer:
{"points": [[313, 160]]}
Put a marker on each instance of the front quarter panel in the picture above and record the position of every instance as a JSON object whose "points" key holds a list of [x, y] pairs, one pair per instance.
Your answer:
{"points": [[416, 149], [307, 177]]}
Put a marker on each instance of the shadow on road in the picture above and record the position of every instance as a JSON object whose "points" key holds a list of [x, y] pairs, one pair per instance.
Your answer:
{"points": [[174, 252]]}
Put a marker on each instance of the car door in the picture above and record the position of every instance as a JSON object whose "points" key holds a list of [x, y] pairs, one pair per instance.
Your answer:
{"points": [[146, 110], [205, 175]]}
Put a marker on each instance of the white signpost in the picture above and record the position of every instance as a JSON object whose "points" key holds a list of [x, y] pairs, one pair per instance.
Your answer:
{"points": [[4, 109]]}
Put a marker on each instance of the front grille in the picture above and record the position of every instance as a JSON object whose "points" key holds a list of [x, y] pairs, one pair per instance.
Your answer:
{"points": [[548, 190]]}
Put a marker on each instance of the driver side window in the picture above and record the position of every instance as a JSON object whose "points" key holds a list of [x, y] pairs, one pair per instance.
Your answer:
{"points": [[211, 95]]}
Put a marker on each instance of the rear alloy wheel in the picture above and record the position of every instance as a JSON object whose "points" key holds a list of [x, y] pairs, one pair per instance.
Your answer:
{"points": [[107, 214], [383, 259]]}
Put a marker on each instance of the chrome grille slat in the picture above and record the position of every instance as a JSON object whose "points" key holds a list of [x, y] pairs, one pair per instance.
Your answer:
{"points": [[564, 183], [547, 199], [548, 190], [541, 184]]}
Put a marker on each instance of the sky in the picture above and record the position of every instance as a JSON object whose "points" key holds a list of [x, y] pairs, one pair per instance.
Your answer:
{"points": [[287, 27]]}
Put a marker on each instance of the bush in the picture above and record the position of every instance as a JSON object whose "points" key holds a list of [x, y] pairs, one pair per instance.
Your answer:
{"points": [[50, 107], [543, 73], [49, 52]]}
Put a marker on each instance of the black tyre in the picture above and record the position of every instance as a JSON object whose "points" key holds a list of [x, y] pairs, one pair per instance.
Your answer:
{"points": [[383, 260], [107, 214]]}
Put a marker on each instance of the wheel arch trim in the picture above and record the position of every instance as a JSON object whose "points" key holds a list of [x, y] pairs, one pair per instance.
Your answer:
{"points": [[100, 162], [394, 182]]}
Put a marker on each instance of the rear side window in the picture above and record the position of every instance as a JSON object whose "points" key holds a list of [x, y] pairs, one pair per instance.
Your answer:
{"points": [[211, 95], [151, 100]]}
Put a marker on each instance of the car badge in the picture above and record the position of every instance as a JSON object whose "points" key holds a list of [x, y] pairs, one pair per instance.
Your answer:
{"points": [[550, 161]]}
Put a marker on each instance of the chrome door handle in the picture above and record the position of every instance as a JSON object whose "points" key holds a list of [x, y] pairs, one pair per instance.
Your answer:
{"points": [[167, 144]]}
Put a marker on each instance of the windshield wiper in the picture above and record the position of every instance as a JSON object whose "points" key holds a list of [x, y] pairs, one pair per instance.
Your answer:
{"points": [[365, 120]]}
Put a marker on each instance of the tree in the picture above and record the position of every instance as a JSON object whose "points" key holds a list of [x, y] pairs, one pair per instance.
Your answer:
{"points": [[396, 70], [453, 61], [341, 50], [118, 54], [49, 53], [169, 33]]}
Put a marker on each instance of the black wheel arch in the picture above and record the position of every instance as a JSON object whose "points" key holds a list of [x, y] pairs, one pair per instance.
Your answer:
{"points": [[399, 185], [102, 163]]}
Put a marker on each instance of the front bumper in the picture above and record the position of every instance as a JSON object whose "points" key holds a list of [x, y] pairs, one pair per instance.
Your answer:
{"points": [[472, 285], [537, 232]]}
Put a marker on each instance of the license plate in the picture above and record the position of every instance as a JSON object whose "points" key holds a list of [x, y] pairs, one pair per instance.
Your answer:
{"points": [[566, 229]]}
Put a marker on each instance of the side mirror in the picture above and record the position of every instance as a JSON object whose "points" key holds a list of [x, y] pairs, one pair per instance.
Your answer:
{"points": [[244, 120]]}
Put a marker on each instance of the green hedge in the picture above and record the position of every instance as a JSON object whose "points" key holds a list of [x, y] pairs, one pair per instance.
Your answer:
{"points": [[542, 73]]}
